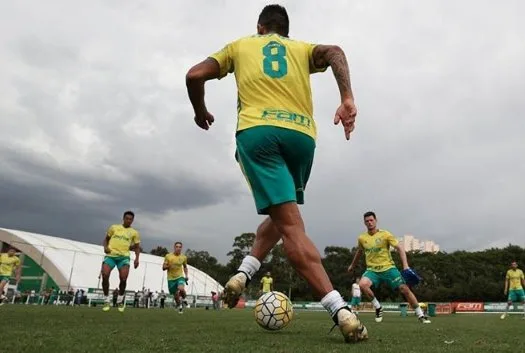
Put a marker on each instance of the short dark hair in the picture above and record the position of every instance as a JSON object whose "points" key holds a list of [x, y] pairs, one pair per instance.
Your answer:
{"points": [[128, 213], [275, 18], [369, 214], [178, 242]]}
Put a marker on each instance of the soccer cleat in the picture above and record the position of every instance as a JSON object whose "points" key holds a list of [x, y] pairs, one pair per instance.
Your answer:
{"points": [[349, 325], [106, 307], [503, 316], [379, 314], [234, 288], [423, 319], [122, 307]]}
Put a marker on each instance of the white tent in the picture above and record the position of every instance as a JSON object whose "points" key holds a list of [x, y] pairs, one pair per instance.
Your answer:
{"points": [[74, 264]]}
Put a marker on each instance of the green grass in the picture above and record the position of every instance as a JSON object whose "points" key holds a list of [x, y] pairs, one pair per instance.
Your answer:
{"points": [[65, 329]]}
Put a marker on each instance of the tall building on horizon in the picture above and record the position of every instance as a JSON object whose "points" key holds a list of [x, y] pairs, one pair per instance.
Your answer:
{"points": [[411, 243]]}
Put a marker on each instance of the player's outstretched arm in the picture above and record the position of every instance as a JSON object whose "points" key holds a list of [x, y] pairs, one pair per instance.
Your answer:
{"points": [[357, 256], [196, 77], [402, 256], [334, 56]]}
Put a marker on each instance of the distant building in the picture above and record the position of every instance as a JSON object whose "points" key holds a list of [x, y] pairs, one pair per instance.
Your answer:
{"points": [[411, 243]]}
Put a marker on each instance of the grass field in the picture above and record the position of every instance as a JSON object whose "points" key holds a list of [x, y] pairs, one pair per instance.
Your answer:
{"points": [[69, 330]]}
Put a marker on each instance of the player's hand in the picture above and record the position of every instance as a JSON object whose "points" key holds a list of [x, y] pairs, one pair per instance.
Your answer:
{"points": [[345, 115], [204, 121], [136, 263]]}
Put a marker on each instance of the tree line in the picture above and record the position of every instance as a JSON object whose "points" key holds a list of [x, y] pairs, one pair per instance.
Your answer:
{"points": [[459, 275]]}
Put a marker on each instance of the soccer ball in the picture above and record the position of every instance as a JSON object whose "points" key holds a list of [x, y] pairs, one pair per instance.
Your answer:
{"points": [[273, 311], [362, 333]]}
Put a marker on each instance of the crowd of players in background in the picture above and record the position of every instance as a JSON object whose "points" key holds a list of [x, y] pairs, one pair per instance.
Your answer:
{"points": [[122, 238]]}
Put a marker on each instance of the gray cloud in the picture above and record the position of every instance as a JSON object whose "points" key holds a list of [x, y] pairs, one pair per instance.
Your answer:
{"points": [[94, 119]]}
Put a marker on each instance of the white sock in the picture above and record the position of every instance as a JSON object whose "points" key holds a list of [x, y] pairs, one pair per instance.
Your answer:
{"points": [[120, 298], [106, 299], [332, 302], [419, 311], [375, 303], [250, 265], [508, 307]]}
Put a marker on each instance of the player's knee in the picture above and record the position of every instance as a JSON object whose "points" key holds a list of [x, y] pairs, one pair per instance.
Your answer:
{"points": [[287, 219]]}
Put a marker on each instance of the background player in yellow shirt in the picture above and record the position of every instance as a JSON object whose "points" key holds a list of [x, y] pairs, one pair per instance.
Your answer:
{"points": [[267, 283], [177, 266], [9, 263], [117, 243], [380, 267], [514, 284], [275, 139]]}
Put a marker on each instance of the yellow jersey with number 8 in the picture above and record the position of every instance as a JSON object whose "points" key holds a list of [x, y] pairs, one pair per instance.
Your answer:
{"points": [[273, 81]]}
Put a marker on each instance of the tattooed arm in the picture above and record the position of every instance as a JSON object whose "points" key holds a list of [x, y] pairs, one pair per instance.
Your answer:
{"points": [[334, 56]]}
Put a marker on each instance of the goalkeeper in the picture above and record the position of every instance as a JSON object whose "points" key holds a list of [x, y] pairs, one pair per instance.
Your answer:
{"points": [[380, 267]]}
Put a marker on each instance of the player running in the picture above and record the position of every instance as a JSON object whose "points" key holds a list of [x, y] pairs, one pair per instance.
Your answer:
{"points": [[275, 139], [177, 266], [9, 263], [117, 243], [375, 243], [267, 283], [514, 284], [356, 295]]}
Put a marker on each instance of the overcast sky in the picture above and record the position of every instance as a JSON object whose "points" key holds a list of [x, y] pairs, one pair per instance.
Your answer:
{"points": [[95, 119]]}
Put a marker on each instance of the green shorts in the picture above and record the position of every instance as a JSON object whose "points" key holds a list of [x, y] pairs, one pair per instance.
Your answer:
{"points": [[5, 278], [173, 284], [391, 276], [119, 261], [276, 163], [355, 301], [516, 295]]}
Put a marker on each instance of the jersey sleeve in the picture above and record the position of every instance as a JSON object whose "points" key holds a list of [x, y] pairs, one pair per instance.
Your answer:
{"points": [[522, 277], [224, 58], [507, 275], [185, 263], [17, 263], [136, 238], [313, 69], [110, 231], [391, 239]]}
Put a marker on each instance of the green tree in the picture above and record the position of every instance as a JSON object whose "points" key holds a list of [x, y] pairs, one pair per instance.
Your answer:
{"points": [[242, 245], [159, 251]]}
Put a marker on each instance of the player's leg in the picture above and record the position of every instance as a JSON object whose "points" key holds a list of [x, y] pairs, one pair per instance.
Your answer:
{"points": [[368, 280], [395, 280], [522, 300], [510, 299], [123, 266], [275, 192], [107, 267], [3, 282], [181, 293], [265, 239]]}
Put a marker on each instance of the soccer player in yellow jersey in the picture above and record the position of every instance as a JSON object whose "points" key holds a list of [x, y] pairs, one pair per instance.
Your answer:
{"points": [[117, 243], [514, 284], [9, 263], [177, 266], [267, 283], [380, 267], [275, 138]]}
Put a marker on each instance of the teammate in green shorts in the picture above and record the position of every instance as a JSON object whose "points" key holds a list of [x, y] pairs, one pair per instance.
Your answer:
{"points": [[9, 263], [119, 239], [514, 284], [177, 266], [375, 243], [275, 137]]}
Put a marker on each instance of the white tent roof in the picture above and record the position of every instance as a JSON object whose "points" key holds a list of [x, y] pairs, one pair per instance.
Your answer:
{"points": [[74, 264]]}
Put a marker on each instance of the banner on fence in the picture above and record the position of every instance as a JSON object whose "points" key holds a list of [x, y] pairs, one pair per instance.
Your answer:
{"points": [[465, 307]]}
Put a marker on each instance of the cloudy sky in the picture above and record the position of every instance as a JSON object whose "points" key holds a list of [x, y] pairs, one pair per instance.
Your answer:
{"points": [[94, 120]]}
